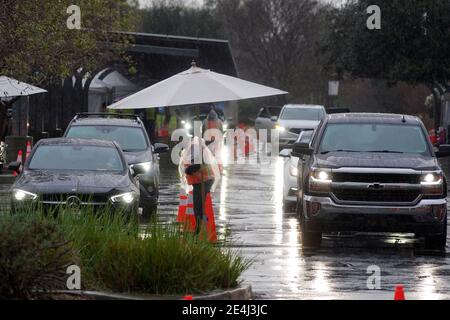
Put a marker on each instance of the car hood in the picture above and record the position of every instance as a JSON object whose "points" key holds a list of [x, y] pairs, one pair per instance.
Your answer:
{"points": [[298, 124], [41, 181], [375, 160], [138, 157]]}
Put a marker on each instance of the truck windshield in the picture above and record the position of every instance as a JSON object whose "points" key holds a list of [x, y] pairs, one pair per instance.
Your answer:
{"points": [[383, 138]]}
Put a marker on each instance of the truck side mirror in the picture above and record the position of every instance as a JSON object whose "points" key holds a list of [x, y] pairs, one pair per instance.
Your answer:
{"points": [[302, 149], [444, 151]]}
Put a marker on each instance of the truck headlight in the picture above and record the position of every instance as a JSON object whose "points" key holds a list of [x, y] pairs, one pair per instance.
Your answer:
{"points": [[125, 198], [432, 184], [320, 181], [293, 171], [431, 179], [22, 195], [321, 176]]}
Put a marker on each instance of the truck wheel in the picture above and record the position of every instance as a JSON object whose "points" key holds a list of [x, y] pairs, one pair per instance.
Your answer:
{"points": [[437, 242], [310, 239]]}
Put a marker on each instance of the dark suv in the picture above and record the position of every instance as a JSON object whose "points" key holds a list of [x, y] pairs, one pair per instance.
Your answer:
{"points": [[129, 132], [371, 173]]}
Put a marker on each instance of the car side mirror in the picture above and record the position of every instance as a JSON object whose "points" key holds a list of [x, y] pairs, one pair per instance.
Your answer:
{"points": [[274, 118], [285, 153], [444, 151], [302, 149], [15, 166], [161, 148]]}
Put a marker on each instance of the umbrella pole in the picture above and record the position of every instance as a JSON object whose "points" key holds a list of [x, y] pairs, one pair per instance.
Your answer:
{"points": [[202, 186]]}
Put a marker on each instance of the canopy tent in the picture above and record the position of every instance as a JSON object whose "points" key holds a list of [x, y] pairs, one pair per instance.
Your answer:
{"points": [[10, 88]]}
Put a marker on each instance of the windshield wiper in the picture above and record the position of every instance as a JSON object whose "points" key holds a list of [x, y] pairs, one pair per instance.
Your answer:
{"points": [[325, 152], [384, 151]]}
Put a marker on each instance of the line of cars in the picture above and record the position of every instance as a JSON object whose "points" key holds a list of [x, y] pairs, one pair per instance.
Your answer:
{"points": [[103, 160], [361, 172]]}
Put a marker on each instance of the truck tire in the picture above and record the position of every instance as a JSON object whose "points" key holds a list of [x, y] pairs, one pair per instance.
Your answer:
{"points": [[437, 242], [310, 239]]}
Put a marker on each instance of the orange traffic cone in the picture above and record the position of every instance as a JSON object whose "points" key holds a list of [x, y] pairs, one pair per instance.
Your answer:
{"points": [[210, 221], [19, 159], [186, 214], [28, 150], [399, 293]]}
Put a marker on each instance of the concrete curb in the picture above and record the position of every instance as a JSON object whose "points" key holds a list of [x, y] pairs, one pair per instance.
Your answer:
{"points": [[241, 293]]}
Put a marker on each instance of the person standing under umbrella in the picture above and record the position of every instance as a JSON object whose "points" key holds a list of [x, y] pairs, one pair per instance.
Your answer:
{"points": [[200, 178]]}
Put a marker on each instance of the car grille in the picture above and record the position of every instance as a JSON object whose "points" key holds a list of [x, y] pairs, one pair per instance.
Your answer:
{"points": [[379, 196], [376, 177], [296, 131], [87, 198]]}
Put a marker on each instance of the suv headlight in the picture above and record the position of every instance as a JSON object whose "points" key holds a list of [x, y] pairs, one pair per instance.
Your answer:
{"points": [[143, 167], [320, 180], [125, 198], [22, 195], [432, 183], [293, 171]]}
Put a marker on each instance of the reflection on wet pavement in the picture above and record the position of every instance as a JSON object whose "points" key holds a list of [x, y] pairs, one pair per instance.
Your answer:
{"points": [[249, 205]]}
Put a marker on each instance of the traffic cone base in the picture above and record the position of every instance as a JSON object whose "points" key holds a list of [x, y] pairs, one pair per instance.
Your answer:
{"points": [[399, 293]]}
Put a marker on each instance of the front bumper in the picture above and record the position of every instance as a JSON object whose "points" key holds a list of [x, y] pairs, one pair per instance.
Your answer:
{"points": [[54, 207], [322, 214]]}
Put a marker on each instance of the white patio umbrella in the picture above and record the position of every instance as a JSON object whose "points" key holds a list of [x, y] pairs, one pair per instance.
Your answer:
{"points": [[195, 86], [10, 87]]}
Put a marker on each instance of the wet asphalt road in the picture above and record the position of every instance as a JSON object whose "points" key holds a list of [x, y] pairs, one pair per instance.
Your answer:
{"points": [[249, 205]]}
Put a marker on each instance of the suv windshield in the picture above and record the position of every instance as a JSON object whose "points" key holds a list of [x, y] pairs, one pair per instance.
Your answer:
{"points": [[313, 114], [76, 157], [129, 138], [385, 138]]}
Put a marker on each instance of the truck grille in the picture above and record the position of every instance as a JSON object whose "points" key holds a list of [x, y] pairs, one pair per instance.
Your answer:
{"points": [[379, 196], [376, 177]]}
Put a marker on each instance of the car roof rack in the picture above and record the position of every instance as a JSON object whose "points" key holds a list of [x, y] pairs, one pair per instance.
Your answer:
{"points": [[107, 115]]}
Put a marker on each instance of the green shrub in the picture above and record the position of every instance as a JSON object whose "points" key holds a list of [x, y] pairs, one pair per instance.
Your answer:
{"points": [[158, 259], [34, 256], [115, 254]]}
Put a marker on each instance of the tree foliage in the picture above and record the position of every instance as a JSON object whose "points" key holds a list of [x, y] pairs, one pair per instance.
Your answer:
{"points": [[275, 42], [36, 45], [176, 17], [412, 46]]}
